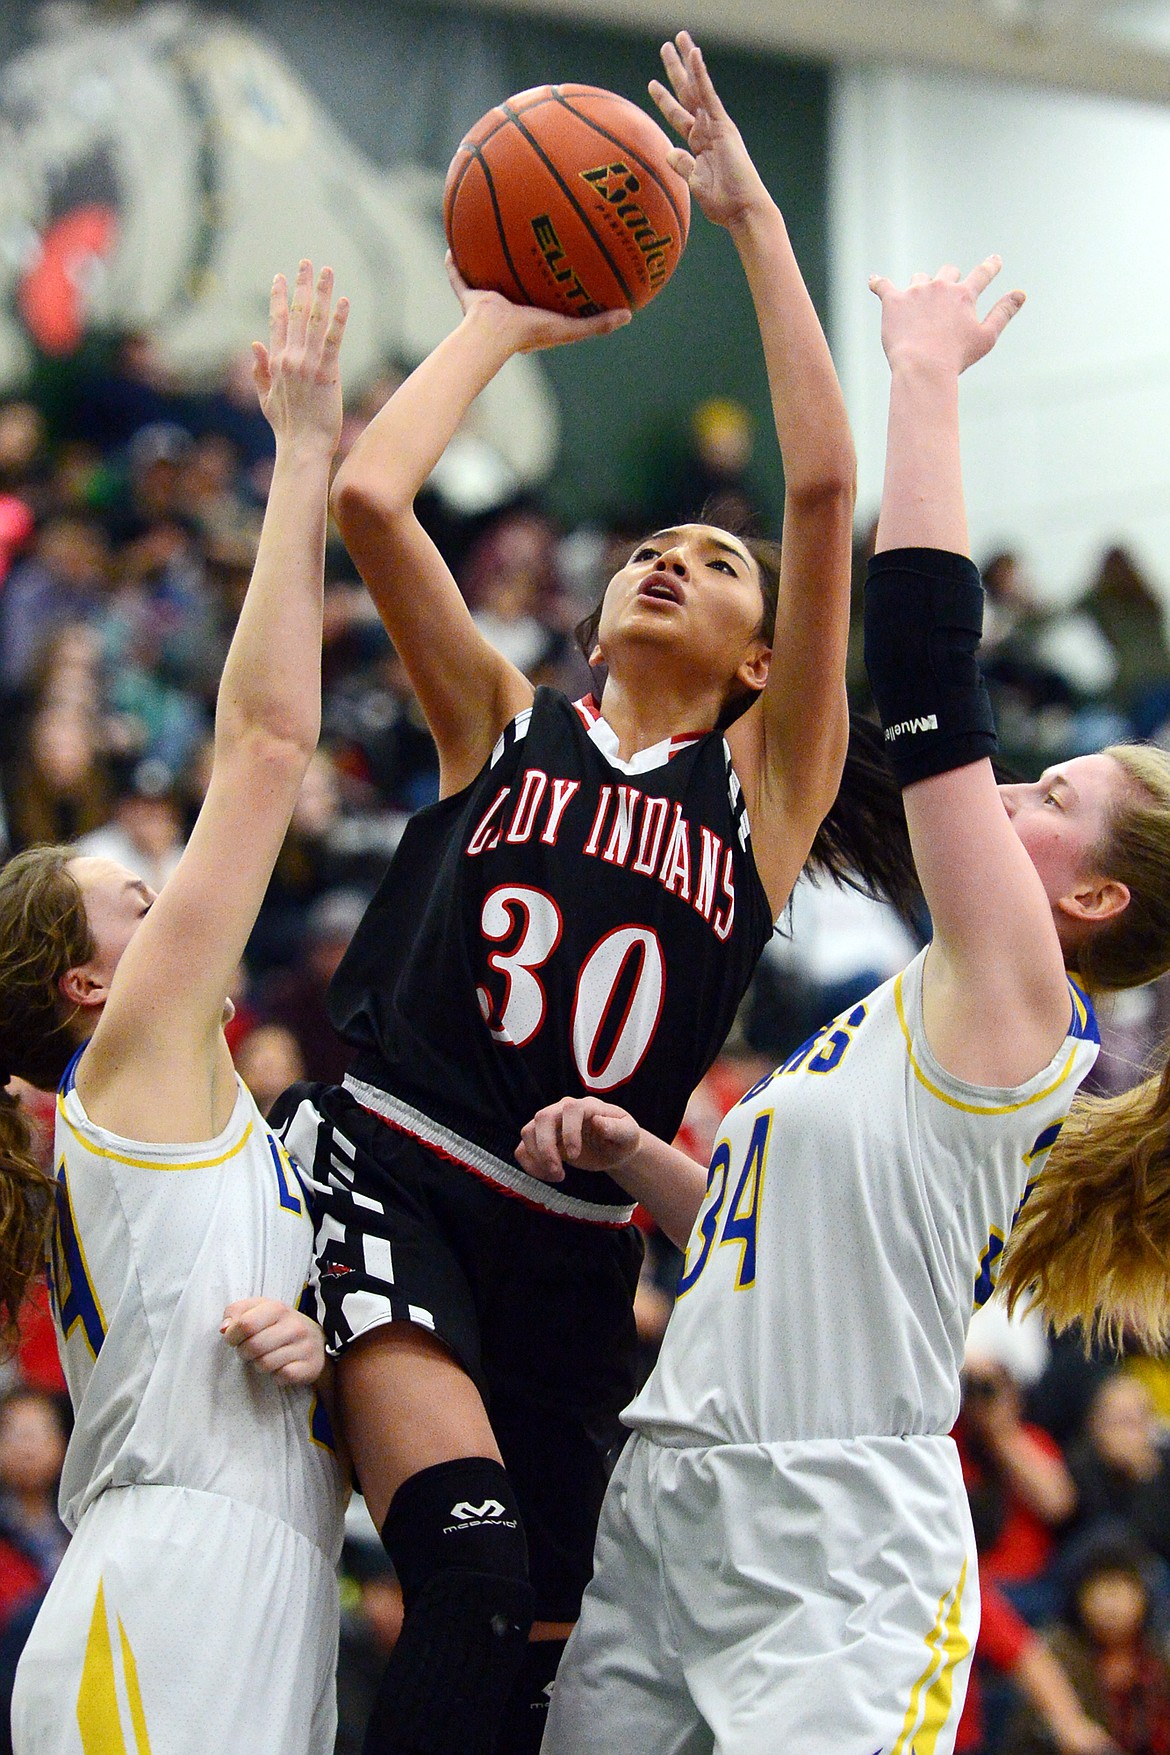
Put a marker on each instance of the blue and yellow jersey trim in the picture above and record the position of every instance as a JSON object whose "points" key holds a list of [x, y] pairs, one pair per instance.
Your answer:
{"points": [[76, 1303], [1082, 1028], [1084, 1018], [90, 1145], [69, 1076], [989, 1261]]}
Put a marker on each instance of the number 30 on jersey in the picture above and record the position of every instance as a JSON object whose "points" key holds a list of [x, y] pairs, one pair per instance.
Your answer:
{"points": [[620, 986], [730, 1212]]}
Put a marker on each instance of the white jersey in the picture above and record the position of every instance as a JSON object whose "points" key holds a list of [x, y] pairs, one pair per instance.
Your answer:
{"points": [[150, 1243], [857, 1202]]}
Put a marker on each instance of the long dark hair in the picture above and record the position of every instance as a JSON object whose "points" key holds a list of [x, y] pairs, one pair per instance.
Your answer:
{"points": [[864, 841], [44, 931]]}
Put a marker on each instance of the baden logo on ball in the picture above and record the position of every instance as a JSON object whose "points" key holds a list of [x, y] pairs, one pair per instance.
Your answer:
{"points": [[564, 197]]}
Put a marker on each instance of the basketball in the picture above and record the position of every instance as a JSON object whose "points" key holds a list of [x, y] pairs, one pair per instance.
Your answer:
{"points": [[562, 197]]}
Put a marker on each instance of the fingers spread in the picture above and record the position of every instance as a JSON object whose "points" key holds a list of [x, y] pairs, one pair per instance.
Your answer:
{"points": [[336, 330], [981, 277], [701, 80], [679, 117], [1001, 313], [278, 313], [261, 368], [298, 316], [322, 299], [949, 273]]}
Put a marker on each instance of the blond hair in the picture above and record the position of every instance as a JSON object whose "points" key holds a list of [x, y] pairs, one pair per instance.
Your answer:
{"points": [[1092, 1244], [44, 931]]}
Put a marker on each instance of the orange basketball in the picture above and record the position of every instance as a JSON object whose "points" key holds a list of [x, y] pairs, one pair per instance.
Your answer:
{"points": [[562, 197]]}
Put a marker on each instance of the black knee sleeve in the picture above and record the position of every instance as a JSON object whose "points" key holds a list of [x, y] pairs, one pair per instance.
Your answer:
{"points": [[457, 1543], [923, 622], [526, 1714]]}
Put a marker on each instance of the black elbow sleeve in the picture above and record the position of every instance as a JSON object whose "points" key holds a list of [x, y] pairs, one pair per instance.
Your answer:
{"points": [[923, 622]]}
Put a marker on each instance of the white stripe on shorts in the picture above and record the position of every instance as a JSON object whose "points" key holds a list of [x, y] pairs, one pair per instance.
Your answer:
{"points": [[483, 1163]]}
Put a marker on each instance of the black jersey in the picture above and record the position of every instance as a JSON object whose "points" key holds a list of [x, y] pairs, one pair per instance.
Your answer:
{"points": [[567, 924]]}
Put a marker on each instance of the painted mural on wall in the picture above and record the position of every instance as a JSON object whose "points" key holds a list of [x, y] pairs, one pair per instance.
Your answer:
{"points": [[157, 167]]}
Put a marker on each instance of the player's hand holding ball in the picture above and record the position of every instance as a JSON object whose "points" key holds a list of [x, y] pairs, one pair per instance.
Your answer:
{"points": [[577, 1130], [527, 328], [565, 198], [278, 1340]]}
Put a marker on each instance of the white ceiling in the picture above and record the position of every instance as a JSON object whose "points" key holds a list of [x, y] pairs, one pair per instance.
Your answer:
{"points": [[1118, 47]]}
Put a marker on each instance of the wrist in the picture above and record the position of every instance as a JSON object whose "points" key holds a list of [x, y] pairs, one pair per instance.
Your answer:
{"points": [[489, 324], [757, 220], [909, 365], [305, 451]]}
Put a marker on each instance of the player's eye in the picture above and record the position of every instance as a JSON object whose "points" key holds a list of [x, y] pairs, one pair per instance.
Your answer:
{"points": [[722, 566], [646, 553]]}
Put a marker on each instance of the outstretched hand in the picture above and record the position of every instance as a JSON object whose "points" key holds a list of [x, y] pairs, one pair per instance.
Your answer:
{"points": [[297, 376], [278, 1340], [933, 321], [526, 328], [577, 1130], [715, 165]]}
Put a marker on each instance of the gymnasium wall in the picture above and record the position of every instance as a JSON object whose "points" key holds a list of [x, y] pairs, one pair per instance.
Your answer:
{"points": [[1065, 426], [400, 83], [407, 80]]}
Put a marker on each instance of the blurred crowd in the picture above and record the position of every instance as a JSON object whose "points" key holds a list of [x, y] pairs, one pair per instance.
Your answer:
{"points": [[129, 515]]}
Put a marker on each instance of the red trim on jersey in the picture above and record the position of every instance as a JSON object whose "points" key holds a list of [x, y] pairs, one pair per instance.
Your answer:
{"points": [[482, 1176], [589, 713]]}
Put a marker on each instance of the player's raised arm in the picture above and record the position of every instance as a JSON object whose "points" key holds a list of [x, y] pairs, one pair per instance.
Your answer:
{"points": [[790, 746], [158, 1060], [996, 1002], [467, 690]]}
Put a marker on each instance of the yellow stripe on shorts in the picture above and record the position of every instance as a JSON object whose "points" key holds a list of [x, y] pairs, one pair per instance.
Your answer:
{"points": [[933, 1695], [99, 1716]]}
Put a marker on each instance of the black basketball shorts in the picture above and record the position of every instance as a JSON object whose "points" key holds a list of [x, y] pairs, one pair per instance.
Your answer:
{"points": [[537, 1308]]}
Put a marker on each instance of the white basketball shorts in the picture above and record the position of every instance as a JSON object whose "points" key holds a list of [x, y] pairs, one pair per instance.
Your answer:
{"points": [[181, 1622], [819, 1598]]}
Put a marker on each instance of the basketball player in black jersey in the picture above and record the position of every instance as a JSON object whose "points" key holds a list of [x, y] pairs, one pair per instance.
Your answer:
{"points": [[580, 912]]}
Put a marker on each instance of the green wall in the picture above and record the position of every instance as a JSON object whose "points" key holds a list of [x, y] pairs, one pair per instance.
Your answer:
{"points": [[408, 79], [622, 398]]}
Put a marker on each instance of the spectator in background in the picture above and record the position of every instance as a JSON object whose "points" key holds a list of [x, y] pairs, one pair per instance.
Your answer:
{"points": [[131, 389], [145, 828], [304, 870], [295, 997], [1103, 1644], [1009, 1645], [229, 412], [64, 579], [56, 782], [1127, 609], [268, 1060], [24, 463], [1018, 1483], [511, 583], [833, 947], [33, 1436], [1121, 1467], [372, 715], [703, 473]]}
